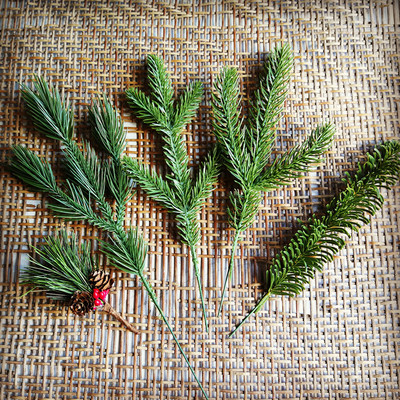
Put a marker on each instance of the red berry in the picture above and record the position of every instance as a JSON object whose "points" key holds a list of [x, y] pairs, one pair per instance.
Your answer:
{"points": [[103, 294], [98, 302], [96, 293]]}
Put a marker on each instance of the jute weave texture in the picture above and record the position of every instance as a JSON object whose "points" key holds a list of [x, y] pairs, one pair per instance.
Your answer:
{"points": [[340, 338]]}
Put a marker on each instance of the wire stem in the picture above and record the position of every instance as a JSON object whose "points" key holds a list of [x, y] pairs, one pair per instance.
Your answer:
{"points": [[229, 273], [193, 252], [155, 302], [253, 311], [110, 310]]}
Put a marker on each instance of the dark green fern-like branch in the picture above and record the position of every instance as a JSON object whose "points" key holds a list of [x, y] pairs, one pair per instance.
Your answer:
{"points": [[89, 179], [320, 239], [246, 149], [178, 192]]}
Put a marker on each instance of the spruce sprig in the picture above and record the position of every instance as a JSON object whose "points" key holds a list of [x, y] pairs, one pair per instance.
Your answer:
{"points": [[246, 149], [179, 192], [318, 240], [89, 177]]}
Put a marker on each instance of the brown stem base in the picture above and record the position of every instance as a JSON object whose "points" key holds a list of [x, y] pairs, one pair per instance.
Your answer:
{"points": [[110, 310]]}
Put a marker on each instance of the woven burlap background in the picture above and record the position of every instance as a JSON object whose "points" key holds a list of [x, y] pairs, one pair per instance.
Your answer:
{"points": [[340, 338]]}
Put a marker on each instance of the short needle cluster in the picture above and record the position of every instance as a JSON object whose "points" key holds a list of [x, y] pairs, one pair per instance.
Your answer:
{"points": [[179, 192], [320, 239], [246, 149]]}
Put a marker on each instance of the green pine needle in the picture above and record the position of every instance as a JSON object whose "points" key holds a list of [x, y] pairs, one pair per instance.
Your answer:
{"points": [[108, 131], [84, 192], [127, 251], [246, 149], [32, 170], [50, 115], [319, 240], [107, 127], [178, 192], [62, 267]]}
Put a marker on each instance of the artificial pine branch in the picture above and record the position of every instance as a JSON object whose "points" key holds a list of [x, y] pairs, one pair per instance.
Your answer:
{"points": [[246, 149], [63, 269], [319, 240], [85, 190], [179, 193]]}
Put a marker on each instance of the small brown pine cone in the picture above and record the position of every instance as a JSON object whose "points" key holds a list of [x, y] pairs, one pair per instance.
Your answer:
{"points": [[100, 280], [82, 303]]}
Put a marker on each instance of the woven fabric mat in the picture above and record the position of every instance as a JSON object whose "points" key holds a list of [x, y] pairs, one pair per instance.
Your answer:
{"points": [[340, 338]]}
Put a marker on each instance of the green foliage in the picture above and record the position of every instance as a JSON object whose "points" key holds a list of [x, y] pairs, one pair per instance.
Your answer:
{"points": [[35, 172], [295, 162], [246, 149], [84, 192], [178, 192], [62, 267], [320, 239], [107, 127], [127, 251], [108, 130], [50, 115], [72, 204]]}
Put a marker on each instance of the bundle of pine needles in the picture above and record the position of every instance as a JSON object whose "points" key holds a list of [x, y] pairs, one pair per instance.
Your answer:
{"points": [[246, 149], [93, 183], [64, 269], [319, 240], [179, 192]]}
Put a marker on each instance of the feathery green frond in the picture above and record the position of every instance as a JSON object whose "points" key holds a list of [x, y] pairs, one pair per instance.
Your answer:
{"points": [[55, 119], [246, 150], [227, 123], [84, 168], [319, 240], [267, 105], [108, 129], [298, 160], [61, 268], [381, 168], [164, 123], [29, 168], [146, 110], [189, 227], [243, 208], [160, 85], [50, 115], [155, 186], [205, 180], [187, 105]]}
